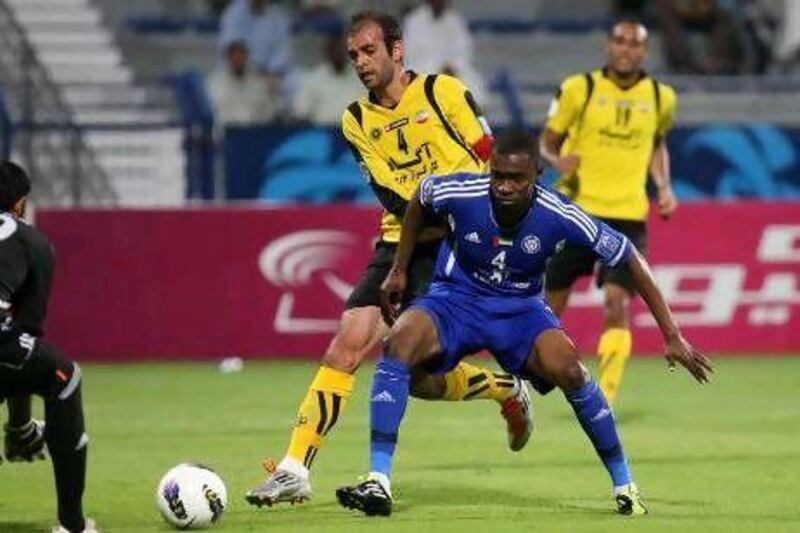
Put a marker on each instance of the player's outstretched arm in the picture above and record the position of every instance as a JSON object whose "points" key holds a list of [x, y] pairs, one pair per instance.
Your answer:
{"points": [[395, 284], [676, 348]]}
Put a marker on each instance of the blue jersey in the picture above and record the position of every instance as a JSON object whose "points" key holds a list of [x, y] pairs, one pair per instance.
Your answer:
{"points": [[479, 257]]}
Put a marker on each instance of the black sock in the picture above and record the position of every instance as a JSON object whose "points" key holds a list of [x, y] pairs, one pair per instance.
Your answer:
{"points": [[67, 444]]}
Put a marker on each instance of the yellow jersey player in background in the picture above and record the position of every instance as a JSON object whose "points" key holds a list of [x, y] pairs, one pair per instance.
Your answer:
{"points": [[409, 126], [604, 130]]}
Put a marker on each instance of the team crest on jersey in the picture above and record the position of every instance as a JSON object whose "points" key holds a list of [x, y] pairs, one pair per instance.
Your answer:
{"points": [[531, 244], [421, 117], [643, 107], [602, 100], [375, 133]]}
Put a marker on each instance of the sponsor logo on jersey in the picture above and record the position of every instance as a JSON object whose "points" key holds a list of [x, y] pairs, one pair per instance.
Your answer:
{"points": [[426, 192], [473, 237], [384, 397], [399, 123], [609, 244], [531, 244]]}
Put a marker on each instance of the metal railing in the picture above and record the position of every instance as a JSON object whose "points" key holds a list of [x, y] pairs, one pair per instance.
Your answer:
{"points": [[62, 167]]}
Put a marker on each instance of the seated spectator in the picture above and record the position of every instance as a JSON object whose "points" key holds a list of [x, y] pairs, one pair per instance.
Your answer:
{"points": [[699, 36], [326, 90], [239, 96], [787, 46], [437, 39], [267, 30]]}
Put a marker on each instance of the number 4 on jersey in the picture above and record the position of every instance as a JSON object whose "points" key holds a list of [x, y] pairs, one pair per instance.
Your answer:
{"points": [[499, 264]]}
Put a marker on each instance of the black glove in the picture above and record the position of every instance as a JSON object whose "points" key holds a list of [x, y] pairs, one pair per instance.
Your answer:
{"points": [[25, 443]]}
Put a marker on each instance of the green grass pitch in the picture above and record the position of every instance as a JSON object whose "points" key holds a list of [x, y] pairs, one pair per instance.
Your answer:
{"points": [[724, 457]]}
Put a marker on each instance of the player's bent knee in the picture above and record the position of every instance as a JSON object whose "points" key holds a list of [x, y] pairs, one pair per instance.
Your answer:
{"points": [[573, 375], [342, 359], [405, 344]]}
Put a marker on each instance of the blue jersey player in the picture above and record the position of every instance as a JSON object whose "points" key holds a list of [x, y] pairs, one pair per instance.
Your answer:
{"points": [[487, 294]]}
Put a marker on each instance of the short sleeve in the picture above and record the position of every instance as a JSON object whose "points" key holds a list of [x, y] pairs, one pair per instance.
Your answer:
{"points": [[669, 105], [611, 246], [566, 104], [581, 229], [463, 112], [427, 197]]}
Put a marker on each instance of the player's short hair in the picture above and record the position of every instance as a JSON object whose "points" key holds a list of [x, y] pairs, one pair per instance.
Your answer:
{"points": [[14, 184], [515, 141], [236, 44], [632, 20], [390, 26]]}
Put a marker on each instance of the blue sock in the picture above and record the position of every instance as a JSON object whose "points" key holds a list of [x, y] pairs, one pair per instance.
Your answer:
{"points": [[597, 420], [387, 407]]}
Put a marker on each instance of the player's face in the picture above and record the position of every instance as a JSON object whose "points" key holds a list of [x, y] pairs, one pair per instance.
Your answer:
{"points": [[513, 176], [627, 48], [371, 60]]}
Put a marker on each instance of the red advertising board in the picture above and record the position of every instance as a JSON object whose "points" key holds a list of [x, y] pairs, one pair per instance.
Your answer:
{"points": [[267, 282]]}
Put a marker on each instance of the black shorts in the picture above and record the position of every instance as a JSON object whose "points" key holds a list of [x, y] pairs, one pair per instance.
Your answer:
{"points": [[29, 365], [368, 290], [573, 262]]}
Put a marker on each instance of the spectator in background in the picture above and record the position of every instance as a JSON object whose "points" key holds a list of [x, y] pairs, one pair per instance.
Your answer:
{"points": [[700, 36], [238, 95], [437, 40], [326, 90], [787, 45], [267, 30]]}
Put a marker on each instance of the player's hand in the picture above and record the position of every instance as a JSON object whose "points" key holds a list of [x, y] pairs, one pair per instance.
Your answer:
{"points": [[678, 350], [25, 443], [392, 290], [567, 164], [667, 203]]}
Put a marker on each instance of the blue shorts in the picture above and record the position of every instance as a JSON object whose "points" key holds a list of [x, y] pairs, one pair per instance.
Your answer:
{"points": [[468, 323]]}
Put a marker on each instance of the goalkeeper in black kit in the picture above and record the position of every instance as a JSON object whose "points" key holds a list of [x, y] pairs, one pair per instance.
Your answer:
{"points": [[31, 366]]}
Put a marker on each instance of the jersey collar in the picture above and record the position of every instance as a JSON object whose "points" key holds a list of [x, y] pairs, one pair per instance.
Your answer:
{"points": [[642, 75], [508, 231], [374, 100]]}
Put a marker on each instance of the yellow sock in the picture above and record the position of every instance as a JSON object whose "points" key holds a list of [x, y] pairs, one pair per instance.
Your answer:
{"points": [[613, 352], [326, 399], [469, 382]]}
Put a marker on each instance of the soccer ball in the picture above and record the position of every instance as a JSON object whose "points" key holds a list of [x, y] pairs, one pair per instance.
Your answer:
{"points": [[191, 496]]}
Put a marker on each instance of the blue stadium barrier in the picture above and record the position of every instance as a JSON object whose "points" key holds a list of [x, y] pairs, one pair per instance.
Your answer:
{"points": [[715, 161], [6, 129], [332, 22], [198, 126], [325, 23]]}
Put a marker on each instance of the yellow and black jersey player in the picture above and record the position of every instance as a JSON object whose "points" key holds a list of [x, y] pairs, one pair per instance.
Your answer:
{"points": [[436, 128], [605, 129], [408, 127]]}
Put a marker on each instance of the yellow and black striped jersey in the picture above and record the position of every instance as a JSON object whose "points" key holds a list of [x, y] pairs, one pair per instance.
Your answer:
{"points": [[613, 131], [435, 129]]}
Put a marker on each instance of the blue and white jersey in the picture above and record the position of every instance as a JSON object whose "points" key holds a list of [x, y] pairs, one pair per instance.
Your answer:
{"points": [[480, 257]]}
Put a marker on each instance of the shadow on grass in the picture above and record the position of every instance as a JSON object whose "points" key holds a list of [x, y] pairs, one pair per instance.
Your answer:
{"points": [[418, 496], [23, 527]]}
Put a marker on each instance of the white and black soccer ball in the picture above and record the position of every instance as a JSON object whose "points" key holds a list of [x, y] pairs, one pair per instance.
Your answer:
{"points": [[191, 496]]}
